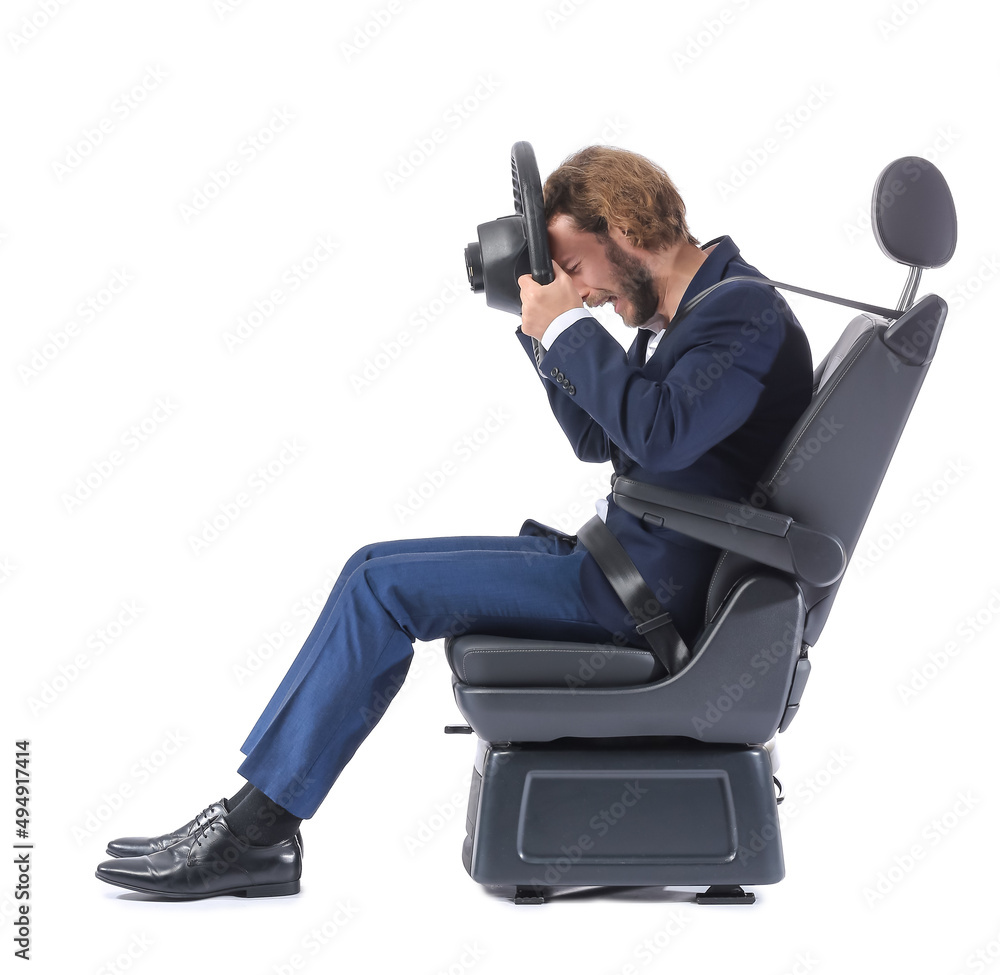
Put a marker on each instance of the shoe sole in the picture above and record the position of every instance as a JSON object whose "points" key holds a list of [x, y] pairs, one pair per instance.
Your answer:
{"points": [[260, 890]]}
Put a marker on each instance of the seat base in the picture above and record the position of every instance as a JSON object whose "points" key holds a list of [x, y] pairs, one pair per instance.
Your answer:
{"points": [[719, 894], [627, 812]]}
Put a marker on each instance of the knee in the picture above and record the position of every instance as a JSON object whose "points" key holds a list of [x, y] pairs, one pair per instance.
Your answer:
{"points": [[361, 556]]}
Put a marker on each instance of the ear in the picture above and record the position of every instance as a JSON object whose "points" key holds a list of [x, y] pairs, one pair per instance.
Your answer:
{"points": [[621, 236]]}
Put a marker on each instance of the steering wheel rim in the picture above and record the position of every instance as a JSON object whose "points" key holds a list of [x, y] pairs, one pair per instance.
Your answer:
{"points": [[529, 203]]}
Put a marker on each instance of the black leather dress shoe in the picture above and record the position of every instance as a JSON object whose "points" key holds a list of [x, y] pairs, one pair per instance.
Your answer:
{"points": [[137, 846], [209, 862]]}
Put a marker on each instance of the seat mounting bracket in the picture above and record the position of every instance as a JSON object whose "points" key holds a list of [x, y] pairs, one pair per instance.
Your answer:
{"points": [[725, 894]]}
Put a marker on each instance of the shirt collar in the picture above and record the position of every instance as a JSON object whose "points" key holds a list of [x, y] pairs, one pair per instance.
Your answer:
{"points": [[710, 272]]}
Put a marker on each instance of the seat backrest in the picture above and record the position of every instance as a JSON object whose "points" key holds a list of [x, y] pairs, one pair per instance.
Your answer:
{"points": [[836, 355], [830, 466]]}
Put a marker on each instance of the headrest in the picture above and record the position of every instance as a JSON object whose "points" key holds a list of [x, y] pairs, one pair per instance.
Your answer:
{"points": [[913, 213]]}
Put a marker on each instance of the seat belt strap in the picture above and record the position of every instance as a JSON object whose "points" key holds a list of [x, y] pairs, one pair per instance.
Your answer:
{"points": [[652, 621], [891, 313]]}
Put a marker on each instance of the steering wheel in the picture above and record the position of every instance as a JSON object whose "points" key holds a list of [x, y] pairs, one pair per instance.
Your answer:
{"points": [[529, 203], [513, 245]]}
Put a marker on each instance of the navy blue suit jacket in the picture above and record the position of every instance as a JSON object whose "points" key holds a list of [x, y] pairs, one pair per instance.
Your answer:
{"points": [[705, 414]]}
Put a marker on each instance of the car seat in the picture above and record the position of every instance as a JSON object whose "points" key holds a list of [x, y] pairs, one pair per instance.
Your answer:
{"points": [[594, 766]]}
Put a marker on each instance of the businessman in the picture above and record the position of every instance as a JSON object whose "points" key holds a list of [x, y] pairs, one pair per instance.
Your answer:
{"points": [[698, 403]]}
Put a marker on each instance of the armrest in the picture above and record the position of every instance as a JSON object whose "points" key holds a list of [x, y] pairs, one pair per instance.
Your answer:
{"points": [[768, 537]]}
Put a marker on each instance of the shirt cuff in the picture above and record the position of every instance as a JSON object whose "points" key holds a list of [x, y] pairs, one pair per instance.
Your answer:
{"points": [[558, 325]]}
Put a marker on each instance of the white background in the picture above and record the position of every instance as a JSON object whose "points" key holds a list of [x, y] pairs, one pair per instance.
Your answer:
{"points": [[809, 100]]}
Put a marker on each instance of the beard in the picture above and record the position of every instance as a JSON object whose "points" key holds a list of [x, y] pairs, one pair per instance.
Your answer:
{"points": [[635, 284]]}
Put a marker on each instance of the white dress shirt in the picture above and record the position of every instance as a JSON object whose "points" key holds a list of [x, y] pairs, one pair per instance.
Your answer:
{"points": [[560, 323]]}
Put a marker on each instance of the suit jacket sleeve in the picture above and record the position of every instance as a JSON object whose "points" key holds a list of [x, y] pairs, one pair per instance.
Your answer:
{"points": [[585, 434], [666, 422]]}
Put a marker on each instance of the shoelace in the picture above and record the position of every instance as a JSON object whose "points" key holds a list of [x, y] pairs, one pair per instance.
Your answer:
{"points": [[202, 818], [208, 829]]}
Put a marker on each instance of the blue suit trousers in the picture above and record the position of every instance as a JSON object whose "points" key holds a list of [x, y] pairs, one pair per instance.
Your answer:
{"points": [[388, 595]]}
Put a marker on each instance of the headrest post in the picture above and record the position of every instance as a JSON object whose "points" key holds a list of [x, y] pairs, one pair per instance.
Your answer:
{"points": [[910, 288]]}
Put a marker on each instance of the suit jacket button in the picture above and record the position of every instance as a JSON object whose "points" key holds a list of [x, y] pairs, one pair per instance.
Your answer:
{"points": [[571, 390], [554, 373]]}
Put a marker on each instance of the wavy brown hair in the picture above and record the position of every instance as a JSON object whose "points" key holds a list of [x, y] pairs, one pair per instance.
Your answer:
{"points": [[603, 186]]}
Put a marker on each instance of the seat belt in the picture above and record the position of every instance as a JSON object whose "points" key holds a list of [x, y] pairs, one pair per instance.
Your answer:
{"points": [[891, 313], [652, 622]]}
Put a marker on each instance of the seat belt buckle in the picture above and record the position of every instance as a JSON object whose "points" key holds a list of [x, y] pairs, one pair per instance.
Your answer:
{"points": [[644, 628]]}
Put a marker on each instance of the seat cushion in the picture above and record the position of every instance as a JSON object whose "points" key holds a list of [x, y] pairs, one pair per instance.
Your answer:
{"points": [[502, 661]]}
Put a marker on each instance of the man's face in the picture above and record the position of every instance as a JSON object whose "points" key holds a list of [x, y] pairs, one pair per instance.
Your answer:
{"points": [[604, 271]]}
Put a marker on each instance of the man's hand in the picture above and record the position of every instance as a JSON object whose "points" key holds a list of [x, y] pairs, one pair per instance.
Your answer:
{"points": [[541, 304]]}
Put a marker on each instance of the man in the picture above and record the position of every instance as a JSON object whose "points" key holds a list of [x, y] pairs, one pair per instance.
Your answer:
{"points": [[703, 414], [698, 404]]}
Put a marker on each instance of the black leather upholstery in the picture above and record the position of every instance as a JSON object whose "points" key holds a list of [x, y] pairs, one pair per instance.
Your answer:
{"points": [[510, 662], [746, 660], [827, 473], [913, 213]]}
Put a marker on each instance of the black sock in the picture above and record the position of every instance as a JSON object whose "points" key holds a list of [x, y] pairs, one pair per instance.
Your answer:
{"points": [[260, 821], [231, 804]]}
